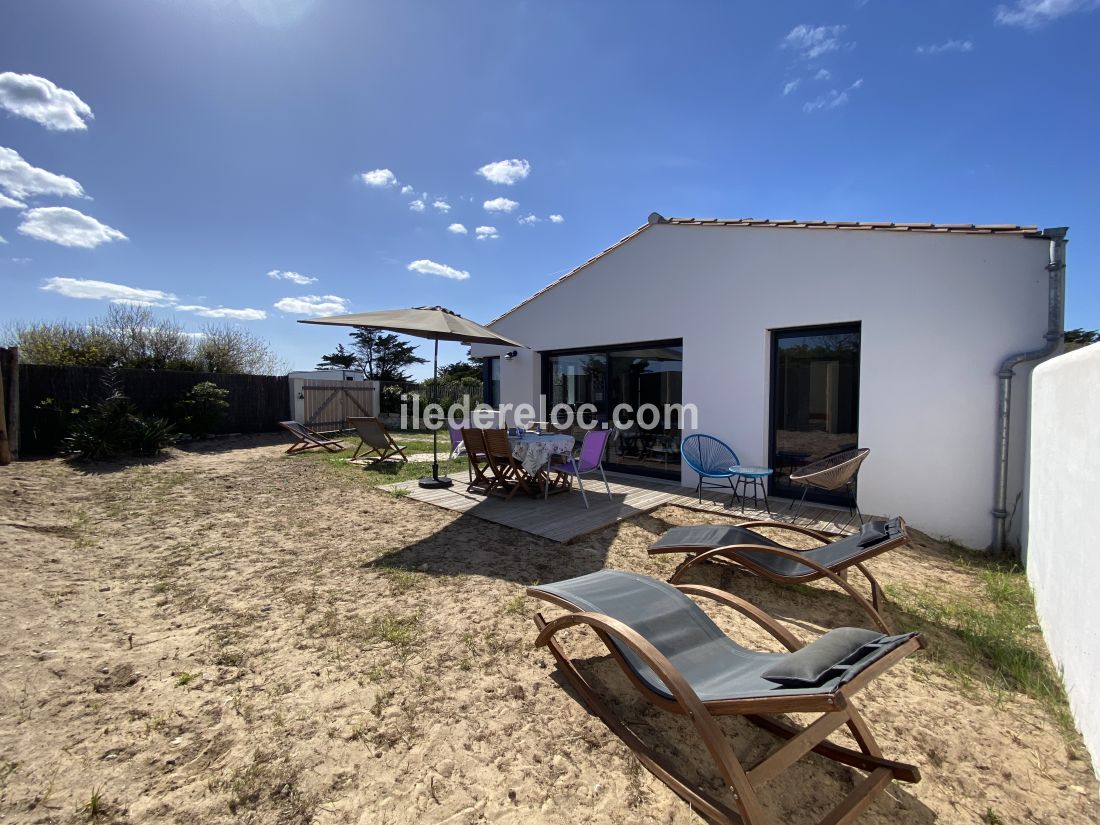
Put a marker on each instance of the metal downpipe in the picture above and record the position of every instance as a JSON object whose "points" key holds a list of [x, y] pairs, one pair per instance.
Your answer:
{"points": [[1056, 305]]}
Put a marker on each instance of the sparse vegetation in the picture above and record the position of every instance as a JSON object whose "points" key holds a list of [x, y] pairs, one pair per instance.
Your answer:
{"points": [[184, 679], [402, 632], [95, 809], [999, 630]]}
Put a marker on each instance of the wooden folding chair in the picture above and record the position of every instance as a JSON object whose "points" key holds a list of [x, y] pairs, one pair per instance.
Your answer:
{"points": [[680, 661], [508, 475], [477, 460], [376, 442], [308, 440]]}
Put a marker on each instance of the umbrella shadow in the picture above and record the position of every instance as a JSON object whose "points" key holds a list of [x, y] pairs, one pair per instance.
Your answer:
{"points": [[472, 546]]}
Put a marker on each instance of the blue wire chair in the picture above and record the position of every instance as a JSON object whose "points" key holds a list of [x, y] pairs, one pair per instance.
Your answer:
{"points": [[710, 458]]}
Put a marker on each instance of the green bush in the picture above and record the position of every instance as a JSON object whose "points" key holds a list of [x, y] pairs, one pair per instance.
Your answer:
{"points": [[203, 409], [113, 427]]}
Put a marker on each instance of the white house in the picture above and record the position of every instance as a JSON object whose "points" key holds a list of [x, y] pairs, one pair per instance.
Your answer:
{"points": [[798, 339]]}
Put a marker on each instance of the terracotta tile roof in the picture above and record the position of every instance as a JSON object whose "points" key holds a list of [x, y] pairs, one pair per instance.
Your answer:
{"points": [[961, 228], [882, 226]]}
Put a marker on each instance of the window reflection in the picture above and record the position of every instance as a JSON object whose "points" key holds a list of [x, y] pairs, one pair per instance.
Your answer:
{"points": [[815, 409], [633, 375]]}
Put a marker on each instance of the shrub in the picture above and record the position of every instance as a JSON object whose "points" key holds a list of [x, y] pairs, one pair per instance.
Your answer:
{"points": [[204, 408], [114, 427]]}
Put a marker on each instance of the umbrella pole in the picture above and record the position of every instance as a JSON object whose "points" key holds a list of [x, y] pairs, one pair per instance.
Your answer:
{"points": [[435, 481]]}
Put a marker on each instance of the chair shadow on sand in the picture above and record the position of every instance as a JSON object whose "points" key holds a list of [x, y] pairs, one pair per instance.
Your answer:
{"points": [[802, 795]]}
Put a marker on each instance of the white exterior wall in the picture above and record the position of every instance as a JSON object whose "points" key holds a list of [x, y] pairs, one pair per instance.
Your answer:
{"points": [[939, 312], [1063, 564]]}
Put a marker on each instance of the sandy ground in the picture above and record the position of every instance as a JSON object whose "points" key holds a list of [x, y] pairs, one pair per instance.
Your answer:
{"points": [[235, 636]]}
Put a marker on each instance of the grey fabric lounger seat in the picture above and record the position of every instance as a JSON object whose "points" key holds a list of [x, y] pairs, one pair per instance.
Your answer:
{"points": [[680, 660], [744, 546]]}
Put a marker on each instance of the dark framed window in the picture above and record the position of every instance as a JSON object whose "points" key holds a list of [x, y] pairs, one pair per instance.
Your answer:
{"points": [[814, 402], [491, 381], [628, 374]]}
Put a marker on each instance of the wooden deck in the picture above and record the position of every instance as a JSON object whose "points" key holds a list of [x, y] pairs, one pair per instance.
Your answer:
{"points": [[563, 517]]}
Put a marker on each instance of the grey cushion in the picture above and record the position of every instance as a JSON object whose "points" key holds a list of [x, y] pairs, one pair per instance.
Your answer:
{"points": [[872, 533], [814, 663]]}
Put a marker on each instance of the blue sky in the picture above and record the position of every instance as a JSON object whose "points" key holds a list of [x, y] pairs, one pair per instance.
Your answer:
{"points": [[192, 147]]}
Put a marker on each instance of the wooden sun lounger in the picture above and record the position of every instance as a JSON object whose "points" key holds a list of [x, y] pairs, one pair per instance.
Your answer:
{"points": [[376, 442], [308, 440], [684, 663], [747, 548]]}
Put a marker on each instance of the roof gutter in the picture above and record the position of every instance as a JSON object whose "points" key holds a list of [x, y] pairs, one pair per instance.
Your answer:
{"points": [[1056, 306]]}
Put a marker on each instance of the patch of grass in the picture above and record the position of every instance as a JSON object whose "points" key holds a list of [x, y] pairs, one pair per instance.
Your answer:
{"points": [[184, 679], [401, 579], [268, 785], [388, 472], [991, 818], [95, 809], [402, 632], [516, 606], [999, 630]]}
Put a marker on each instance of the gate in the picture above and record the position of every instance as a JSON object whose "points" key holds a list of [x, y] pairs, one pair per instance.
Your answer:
{"points": [[329, 404]]}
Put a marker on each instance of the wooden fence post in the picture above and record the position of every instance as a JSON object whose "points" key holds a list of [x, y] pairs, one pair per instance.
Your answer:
{"points": [[9, 404]]}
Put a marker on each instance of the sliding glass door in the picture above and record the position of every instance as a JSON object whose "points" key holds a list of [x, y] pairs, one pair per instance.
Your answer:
{"points": [[814, 401], [629, 378]]}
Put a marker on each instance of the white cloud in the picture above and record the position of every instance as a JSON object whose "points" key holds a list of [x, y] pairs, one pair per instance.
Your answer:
{"points": [[282, 275], [379, 178], [823, 74], [406, 190], [427, 267], [529, 219], [456, 229], [417, 205], [21, 180], [831, 99], [500, 205], [505, 171], [947, 46], [224, 312], [486, 232], [38, 99], [67, 227], [313, 305], [106, 291], [442, 206], [3, 239], [557, 219], [814, 41], [1031, 14], [11, 203], [790, 86]]}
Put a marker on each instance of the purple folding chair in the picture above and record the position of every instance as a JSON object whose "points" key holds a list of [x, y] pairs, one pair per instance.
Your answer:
{"points": [[590, 458], [458, 446]]}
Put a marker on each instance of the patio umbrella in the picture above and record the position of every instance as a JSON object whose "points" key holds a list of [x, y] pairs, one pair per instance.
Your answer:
{"points": [[436, 323]]}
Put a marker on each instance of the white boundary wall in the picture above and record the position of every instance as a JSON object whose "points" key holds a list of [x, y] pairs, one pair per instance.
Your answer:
{"points": [[1061, 547]]}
